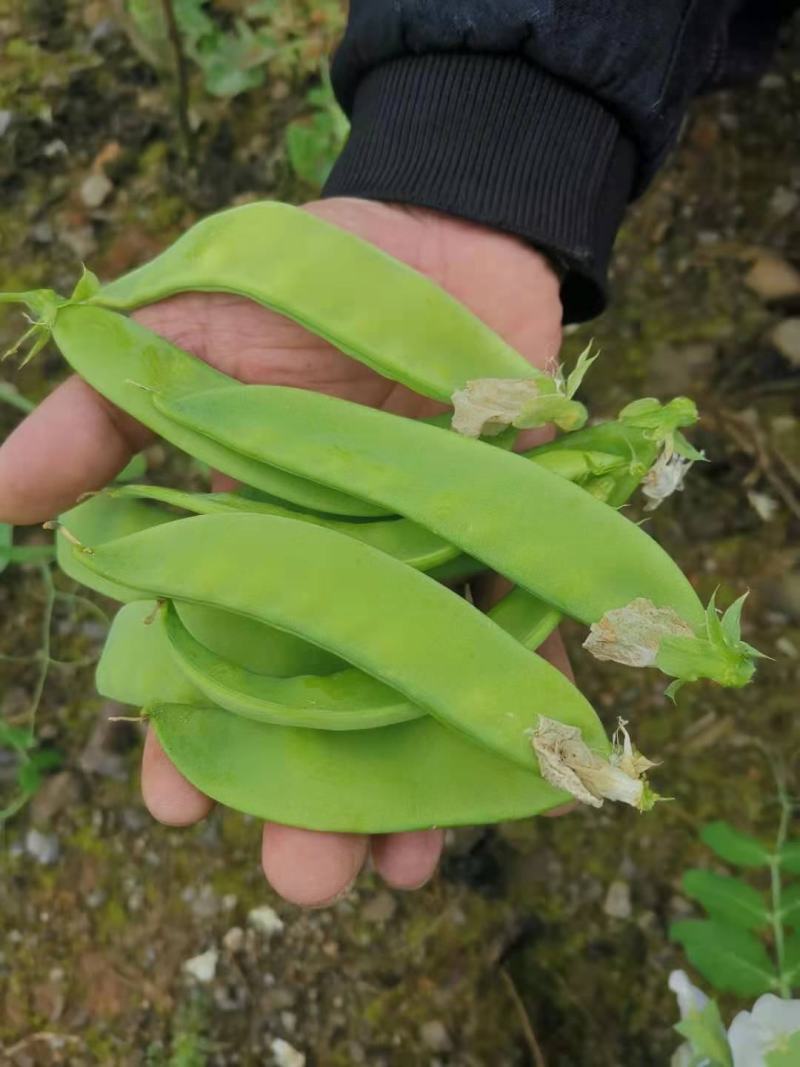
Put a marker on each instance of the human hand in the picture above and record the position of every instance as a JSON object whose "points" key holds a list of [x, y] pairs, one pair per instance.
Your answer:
{"points": [[76, 441]]}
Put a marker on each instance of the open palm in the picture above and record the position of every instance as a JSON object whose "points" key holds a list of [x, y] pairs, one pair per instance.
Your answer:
{"points": [[76, 441]]}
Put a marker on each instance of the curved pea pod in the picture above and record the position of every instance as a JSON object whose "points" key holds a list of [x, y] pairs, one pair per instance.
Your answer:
{"points": [[401, 538], [104, 517], [137, 660], [466, 492], [402, 325], [391, 621], [575, 552], [346, 700], [124, 361], [410, 776], [95, 521]]}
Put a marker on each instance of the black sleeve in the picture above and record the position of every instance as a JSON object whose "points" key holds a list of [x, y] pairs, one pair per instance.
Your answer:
{"points": [[541, 118]]}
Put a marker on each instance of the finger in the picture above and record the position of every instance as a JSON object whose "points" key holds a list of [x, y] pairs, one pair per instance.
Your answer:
{"points": [[407, 861], [167, 795], [75, 441], [310, 868]]}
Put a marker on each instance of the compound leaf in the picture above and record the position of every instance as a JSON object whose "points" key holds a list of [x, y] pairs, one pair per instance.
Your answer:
{"points": [[731, 959], [727, 898]]}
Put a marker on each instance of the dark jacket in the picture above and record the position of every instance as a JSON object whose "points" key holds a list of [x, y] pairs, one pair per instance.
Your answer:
{"points": [[542, 118]]}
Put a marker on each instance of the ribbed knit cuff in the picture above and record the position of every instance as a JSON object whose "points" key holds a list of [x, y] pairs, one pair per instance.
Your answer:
{"points": [[499, 141]]}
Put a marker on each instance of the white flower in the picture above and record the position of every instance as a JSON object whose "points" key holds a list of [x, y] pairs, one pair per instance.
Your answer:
{"points": [[664, 478], [690, 998], [754, 1034]]}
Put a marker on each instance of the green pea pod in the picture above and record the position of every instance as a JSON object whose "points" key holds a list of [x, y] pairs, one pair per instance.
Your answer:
{"points": [[137, 661], [410, 776], [102, 518], [404, 540], [388, 619], [574, 552], [346, 700], [140, 362], [367, 304]]}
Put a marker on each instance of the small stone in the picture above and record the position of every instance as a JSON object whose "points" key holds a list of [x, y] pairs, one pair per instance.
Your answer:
{"points": [[772, 81], [786, 338], [773, 278], [44, 848], [58, 793], [286, 1055], [234, 939], [786, 647], [288, 1021], [673, 371], [202, 968], [783, 202], [55, 147], [380, 908], [434, 1036], [266, 920], [80, 241], [42, 233], [5, 121], [618, 900], [95, 190]]}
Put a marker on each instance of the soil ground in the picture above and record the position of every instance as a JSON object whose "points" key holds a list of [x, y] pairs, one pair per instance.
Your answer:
{"points": [[560, 922]]}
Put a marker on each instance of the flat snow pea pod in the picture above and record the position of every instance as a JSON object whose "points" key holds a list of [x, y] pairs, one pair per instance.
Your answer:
{"points": [[115, 355], [137, 661], [401, 324], [386, 618], [401, 538], [347, 700], [102, 518], [571, 550], [255, 645], [410, 776], [93, 522]]}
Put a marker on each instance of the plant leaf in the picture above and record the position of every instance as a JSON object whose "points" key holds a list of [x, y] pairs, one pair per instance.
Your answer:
{"points": [[732, 620], [706, 1034], [790, 857], [735, 847], [727, 899], [791, 959], [29, 778], [731, 960], [790, 905], [788, 1055], [6, 541], [19, 738], [577, 374]]}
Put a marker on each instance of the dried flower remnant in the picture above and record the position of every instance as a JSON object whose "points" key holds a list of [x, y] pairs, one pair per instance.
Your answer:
{"points": [[632, 635], [567, 762], [486, 406], [642, 635]]}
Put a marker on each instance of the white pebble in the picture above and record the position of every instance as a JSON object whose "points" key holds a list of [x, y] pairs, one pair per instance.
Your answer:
{"points": [[203, 967], [266, 920], [286, 1055]]}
